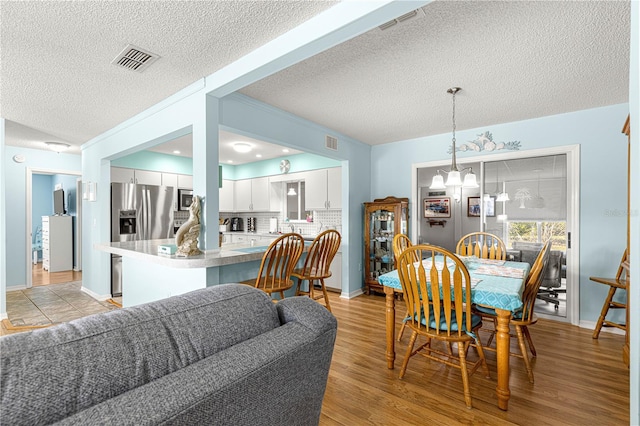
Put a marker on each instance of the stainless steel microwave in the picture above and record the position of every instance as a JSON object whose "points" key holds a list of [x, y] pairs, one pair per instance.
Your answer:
{"points": [[185, 197]]}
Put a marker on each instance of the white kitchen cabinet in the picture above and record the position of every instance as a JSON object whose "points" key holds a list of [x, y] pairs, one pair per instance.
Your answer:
{"points": [[252, 195], [185, 181], [334, 282], [143, 177], [122, 175], [57, 246], [334, 188], [323, 189], [260, 194], [226, 196], [242, 193], [146, 177], [171, 179]]}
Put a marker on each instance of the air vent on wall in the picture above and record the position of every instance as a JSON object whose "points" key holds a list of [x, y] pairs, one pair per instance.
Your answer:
{"points": [[331, 143], [408, 15], [134, 58]]}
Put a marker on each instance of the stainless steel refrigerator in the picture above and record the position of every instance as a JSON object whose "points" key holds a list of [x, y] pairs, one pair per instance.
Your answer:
{"points": [[138, 212]]}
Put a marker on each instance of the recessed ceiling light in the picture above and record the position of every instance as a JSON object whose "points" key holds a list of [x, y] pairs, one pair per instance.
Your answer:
{"points": [[241, 147], [57, 146], [175, 151], [285, 150], [258, 155], [229, 161]]}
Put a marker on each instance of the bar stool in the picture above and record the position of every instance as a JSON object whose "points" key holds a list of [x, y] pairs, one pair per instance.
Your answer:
{"points": [[619, 282], [317, 265]]}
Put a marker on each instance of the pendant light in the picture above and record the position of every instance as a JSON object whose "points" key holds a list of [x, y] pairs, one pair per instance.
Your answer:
{"points": [[504, 195], [453, 175]]}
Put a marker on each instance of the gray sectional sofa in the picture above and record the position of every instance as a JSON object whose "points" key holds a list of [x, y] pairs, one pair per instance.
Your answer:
{"points": [[225, 355]]}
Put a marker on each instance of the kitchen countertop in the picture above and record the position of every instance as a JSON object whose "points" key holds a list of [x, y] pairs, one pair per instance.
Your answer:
{"points": [[147, 250]]}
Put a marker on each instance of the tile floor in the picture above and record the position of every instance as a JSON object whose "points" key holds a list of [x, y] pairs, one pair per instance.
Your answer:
{"points": [[51, 304]]}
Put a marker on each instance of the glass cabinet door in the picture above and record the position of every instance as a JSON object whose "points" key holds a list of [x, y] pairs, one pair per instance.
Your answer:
{"points": [[380, 242]]}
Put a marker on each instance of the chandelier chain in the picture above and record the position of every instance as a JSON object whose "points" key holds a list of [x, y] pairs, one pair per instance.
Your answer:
{"points": [[454, 117]]}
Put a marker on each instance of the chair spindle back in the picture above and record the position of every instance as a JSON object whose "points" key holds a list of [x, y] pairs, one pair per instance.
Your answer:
{"points": [[278, 262], [482, 245], [434, 292]]}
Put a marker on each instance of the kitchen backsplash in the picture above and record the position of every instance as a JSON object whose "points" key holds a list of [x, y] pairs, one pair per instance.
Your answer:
{"points": [[322, 218]]}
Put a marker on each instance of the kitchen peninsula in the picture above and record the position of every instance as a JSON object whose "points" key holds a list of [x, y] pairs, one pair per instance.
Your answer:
{"points": [[149, 276]]}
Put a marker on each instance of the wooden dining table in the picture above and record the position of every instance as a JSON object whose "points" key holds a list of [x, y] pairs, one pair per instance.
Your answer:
{"points": [[496, 284]]}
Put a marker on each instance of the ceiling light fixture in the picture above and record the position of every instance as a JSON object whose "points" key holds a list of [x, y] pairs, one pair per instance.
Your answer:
{"points": [[292, 192], [241, 147], [285, 150], [453, 175], [175, 151], [57, 146]]}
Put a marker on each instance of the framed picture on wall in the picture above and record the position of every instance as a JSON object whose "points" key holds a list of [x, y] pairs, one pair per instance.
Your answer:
{"points": [[437, 207], [473, 206], [490, 206]]}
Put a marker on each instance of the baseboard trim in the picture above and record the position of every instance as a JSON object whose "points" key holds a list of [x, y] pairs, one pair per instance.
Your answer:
{"points": [[347, 295], [16, 287], [95, 295], [592, 326]]}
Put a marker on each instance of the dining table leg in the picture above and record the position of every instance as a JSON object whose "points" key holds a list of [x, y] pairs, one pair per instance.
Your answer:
{"points": [[502, 354], [391, 325]]}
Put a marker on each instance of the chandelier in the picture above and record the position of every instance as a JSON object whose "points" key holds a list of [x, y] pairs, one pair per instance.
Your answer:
{"points": [[453, 175]]}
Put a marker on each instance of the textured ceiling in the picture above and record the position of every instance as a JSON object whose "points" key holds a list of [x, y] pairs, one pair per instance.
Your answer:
{"points": [[56, 75], [514, 61]]}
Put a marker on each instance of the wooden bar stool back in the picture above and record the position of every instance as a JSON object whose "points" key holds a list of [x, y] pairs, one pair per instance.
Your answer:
{"points": [[317, 265], [277, 265], [619, 282]]}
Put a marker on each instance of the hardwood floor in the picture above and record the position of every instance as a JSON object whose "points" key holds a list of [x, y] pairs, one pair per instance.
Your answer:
{"points": [[41, 277], [578, 380]]}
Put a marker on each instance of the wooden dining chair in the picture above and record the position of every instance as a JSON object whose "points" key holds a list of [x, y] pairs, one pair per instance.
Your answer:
{"points": [[439, 301], [620, 281], [482, 245], [278, 262], [401, 242], [524, 317], [317, 265]]}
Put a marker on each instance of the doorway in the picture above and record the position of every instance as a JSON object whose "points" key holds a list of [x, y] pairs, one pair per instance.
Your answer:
{"points": [[542, 187], [40, 187]]}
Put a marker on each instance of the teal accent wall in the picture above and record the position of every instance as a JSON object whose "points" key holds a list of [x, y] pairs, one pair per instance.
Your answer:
{"points": [[299, 163], [153, 161], [157, 162]]}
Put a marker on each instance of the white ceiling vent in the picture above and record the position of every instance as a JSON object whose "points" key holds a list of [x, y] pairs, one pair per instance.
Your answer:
{"points": [[134, 58], [331, 143], [408, 15]]}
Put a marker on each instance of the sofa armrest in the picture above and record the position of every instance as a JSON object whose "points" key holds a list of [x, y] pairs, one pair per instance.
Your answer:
{"points": [[307, 312]]}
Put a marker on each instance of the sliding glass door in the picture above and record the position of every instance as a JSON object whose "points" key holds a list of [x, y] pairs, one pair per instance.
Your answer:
{"points": [[525, 203], [524, 200]]}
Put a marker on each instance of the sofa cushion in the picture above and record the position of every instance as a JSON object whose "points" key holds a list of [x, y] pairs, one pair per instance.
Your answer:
{"points": [[276, 378], [49, 374]]}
